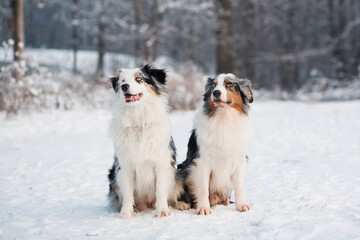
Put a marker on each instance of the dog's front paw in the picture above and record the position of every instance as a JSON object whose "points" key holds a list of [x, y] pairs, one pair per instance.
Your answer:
{"points": [[203, 211], [125, 215], [180, 205], [242, 207], [162, 213]]}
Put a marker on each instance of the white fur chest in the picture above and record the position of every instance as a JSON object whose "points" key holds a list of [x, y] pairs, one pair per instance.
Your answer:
{"points": [[138, 132], [225, 135]]}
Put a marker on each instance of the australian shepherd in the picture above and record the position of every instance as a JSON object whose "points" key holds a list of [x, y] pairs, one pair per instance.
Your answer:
{"points": [[218, 145], [143, 173]]}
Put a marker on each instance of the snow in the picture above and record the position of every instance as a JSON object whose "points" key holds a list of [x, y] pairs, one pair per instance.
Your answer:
{"points": [[301, 181]]}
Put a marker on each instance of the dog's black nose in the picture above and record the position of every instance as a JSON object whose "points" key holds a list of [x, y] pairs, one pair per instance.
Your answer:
{"points": [[217, 93], [125, 87]]}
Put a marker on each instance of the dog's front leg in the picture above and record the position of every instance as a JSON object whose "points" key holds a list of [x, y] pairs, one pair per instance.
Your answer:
{"points": [[199, 180], [238, 181], [126, 182], [164, 181]]}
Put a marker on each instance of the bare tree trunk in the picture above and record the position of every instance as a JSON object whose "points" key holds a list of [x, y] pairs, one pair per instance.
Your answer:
{"points": [[246, 63], [355, 42], [155, 22], [224, 38], [331, 18], [192, 42], [19, 37], [337, 21], [74, 37], [19, 45], [333, 32], [288, 75], [345, 50], [151, 44], [138, 23], [101, 41]]}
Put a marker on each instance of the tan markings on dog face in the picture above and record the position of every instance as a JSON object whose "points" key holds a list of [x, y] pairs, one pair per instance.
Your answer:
{"points": [[137, 74], [236, 101], [213, 108], [151, 90], [228, 84]]}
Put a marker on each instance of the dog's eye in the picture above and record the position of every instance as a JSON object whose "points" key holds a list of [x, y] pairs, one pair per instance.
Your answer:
{"points": [[213, 85], [138, 79], [229, 85]]}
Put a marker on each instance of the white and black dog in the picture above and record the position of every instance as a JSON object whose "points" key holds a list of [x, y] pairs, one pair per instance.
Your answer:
{"points": [[143, 173], [218, 145]]}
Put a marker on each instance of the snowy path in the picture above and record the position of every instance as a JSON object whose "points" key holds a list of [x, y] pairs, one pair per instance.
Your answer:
{"points": [[302, 178]]}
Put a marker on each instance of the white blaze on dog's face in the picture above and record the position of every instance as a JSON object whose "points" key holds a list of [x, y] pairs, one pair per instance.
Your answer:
{"points": [[220, 85], [134, 85]]}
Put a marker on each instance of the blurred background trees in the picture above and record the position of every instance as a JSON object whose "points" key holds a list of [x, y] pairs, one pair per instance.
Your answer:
{"points": [[280, 44], [274, 43]]}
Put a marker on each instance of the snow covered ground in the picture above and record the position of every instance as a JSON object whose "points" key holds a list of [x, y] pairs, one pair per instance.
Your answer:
{"points": [[302, 179]]}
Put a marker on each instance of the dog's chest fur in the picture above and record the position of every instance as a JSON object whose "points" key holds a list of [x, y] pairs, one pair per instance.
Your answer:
{"points": [[223, 141], [141, 135], [227, 133]]}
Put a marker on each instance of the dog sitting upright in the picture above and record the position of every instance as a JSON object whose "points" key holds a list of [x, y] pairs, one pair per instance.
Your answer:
{"points": [[218, 145], [143, 173]]}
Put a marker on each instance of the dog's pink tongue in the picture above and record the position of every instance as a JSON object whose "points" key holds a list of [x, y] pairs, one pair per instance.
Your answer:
{"points": [[128, 98], [132, 98]]}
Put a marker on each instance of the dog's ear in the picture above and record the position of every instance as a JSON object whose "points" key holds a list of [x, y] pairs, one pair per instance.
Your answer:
{"points": [[208, 88], [209, 83], [245, 88], [157, 74], [114, 82]]}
